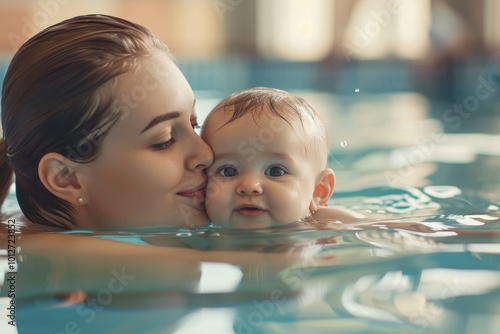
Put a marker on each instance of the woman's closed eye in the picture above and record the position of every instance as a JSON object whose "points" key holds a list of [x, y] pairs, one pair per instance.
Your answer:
{"points": [[163, 146], [166, 144]]}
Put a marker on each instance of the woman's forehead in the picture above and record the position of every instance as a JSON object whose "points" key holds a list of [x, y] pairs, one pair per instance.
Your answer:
{"points": [[149, 91]]}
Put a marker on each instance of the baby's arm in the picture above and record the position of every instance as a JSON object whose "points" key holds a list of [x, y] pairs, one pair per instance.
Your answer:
{"points": [[336, 213]]}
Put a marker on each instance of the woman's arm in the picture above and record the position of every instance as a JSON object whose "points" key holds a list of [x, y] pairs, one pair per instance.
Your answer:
{"points": [[57, 264]]}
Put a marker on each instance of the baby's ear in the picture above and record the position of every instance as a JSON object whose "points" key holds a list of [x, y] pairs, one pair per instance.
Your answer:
{"points": [[323, 190]]}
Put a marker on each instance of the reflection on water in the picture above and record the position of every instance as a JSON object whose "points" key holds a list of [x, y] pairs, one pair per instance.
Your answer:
{"points": [[424, 261]]}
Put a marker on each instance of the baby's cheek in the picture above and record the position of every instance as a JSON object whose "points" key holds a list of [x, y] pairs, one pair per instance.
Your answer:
{"points": [[212, 192], [291, 206]]}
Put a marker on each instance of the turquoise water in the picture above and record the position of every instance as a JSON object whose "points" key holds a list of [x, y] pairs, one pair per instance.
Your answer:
{"points": [[426, 260], [421, 270]]}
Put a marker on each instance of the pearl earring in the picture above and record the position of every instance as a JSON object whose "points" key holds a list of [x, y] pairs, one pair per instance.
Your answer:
{"points": [[80, 200]]}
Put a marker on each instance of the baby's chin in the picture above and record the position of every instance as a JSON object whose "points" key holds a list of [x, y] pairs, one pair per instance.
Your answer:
{"points": [[235, 221], [253, 224]]}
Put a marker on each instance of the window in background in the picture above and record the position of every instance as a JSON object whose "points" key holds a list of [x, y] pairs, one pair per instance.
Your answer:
{"points": [[492, 24], [295, 29], [412, 29], [383, 28]]}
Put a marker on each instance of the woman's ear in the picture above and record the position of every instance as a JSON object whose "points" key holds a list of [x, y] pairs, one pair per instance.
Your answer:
{"points": [[58, 176], [323, 190]]}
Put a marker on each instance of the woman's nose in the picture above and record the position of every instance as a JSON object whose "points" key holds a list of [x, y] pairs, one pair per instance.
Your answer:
{"points": [[249, 185], [202, 154]]}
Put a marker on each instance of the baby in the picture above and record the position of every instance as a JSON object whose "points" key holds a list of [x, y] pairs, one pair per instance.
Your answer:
{"points": [[270, 161]]}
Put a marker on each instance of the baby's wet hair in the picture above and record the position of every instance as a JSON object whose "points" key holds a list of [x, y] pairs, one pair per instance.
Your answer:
{"points": [[293, 109]]}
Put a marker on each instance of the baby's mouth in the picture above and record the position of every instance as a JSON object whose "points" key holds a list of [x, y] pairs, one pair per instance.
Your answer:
{"points": [[250, 211]]}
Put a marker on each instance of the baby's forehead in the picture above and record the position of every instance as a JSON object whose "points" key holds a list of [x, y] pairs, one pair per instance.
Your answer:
{"points": [[279, 124], [260, 114], [278, 118]]}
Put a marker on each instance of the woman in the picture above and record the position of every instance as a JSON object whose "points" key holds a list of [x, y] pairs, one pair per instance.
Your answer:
{"points": [[98, 125]]}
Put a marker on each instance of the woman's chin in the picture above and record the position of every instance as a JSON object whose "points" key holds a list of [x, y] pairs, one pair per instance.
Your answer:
{"points": [[195, 220]]}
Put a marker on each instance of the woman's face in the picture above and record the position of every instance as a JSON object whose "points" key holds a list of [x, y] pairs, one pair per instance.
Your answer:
{"points": [[149, 171]]}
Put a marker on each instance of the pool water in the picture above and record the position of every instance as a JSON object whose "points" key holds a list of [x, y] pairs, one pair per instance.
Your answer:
{"points": [[426, 260], [420, 269]]}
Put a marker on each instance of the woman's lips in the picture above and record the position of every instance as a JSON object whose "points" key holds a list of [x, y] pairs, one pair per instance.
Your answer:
{"points": [[250, 211], [196, 192]]}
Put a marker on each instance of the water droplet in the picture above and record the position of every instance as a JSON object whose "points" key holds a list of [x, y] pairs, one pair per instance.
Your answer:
{"points": [[356, 90], [183, 234], [343, 143]]}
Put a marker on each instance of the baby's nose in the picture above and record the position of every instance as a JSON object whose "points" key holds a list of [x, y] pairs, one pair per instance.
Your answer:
{"points": [[249, 185]]}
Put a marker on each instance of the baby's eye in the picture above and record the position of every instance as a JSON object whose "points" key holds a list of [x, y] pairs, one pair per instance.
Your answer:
{"points": [[227, 171], [275, 171]]}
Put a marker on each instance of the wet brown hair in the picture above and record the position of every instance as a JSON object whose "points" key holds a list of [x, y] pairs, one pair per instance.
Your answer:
{"points": [[54, 99], [293, 109]]}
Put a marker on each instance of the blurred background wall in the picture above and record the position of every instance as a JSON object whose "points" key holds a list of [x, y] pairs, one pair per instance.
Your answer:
{"points": [[388, 72], [331, 45]]}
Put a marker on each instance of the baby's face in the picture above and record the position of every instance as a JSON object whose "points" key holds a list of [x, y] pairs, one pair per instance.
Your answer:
{"points": [[261, 175]]}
